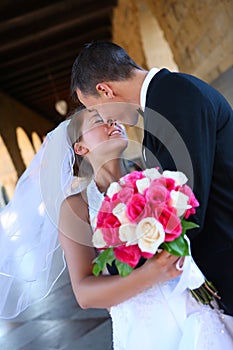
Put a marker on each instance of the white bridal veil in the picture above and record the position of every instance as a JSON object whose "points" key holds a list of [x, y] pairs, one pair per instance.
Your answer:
{"points": [[31, 258]]}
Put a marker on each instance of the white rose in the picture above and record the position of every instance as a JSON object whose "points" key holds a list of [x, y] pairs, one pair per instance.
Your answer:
{"points": [[142, 184], [119, 211], [113, 188], [152, 173], [179, 177], [98, 239], [127, 233], [179, 201], [150, 234]]}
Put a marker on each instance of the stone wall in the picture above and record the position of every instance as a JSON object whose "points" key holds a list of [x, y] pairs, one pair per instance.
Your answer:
{"points": [[126, 30], [199, 33], [14, 115], [224, 84]]}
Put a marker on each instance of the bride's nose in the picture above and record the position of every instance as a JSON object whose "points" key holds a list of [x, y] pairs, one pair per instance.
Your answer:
{"points": [[111, 122]]}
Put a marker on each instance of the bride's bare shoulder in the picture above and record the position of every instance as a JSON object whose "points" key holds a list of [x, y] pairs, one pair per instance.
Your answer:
{"points": [[76, 204], [74, 220]]}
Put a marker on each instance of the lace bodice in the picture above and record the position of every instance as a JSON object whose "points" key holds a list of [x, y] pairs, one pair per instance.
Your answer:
{"points": [[95, 198]]}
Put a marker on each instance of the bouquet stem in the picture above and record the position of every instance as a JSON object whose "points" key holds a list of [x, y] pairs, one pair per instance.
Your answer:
{"points": [[206, 293]]}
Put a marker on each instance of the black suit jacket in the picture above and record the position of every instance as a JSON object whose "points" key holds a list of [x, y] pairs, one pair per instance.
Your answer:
{"points": [[189, 127]]}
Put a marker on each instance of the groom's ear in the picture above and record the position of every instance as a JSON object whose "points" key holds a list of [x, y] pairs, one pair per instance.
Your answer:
{"points": [[80, 149], [105, 90]]}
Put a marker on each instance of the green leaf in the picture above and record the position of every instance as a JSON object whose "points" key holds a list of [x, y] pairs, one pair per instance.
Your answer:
{"points": [[187, 225], [104, 258], [96, 269], [123, 269], [178, 247]]}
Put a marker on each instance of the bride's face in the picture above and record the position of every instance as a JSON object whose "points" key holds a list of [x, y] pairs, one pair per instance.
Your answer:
{"points": [[101, 136]]}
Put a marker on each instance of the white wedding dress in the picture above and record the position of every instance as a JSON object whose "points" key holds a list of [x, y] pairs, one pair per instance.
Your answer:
{"points": [[166, 316]]}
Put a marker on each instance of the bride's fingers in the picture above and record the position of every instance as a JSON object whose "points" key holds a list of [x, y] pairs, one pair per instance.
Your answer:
{"points": [[177, 260], [175, 263], [166, 255], [179, 264], [174, 258], [168, 259]]}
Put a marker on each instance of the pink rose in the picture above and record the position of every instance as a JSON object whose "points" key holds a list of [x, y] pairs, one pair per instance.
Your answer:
{"points": [[170, 221], [147, 255], [110, 230], [130, 179], [192, 200], [135, 207], [105, 210], [157, 194], [125, 194], [170, 184], [166, 182], [146, 212], [129, 255]]}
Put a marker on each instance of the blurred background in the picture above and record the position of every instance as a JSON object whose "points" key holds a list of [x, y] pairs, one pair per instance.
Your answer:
{"points": [[40, 40]]}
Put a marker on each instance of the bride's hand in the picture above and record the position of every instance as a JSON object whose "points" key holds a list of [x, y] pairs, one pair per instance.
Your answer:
{"points": [[163, 267]]}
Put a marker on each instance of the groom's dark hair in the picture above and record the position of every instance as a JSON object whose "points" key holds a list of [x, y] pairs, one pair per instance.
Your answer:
{"points": [[97, 62]]}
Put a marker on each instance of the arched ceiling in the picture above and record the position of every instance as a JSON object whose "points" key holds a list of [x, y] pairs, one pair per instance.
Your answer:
{"points": [[39, 42]]}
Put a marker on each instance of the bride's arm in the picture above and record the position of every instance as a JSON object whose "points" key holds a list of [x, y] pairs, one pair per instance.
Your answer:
{"points": [[103, 291]]}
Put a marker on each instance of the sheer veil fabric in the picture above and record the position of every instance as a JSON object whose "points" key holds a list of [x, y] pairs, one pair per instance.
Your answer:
{"points": [[31, 258]]}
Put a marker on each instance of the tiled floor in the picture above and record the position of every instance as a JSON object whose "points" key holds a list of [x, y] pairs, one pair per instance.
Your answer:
{"points": [[57, 322]]}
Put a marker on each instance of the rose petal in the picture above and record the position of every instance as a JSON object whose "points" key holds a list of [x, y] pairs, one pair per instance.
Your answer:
{"points": [[150, 234], [142, 184], [179, 177], [127, 233], [98, 239]]}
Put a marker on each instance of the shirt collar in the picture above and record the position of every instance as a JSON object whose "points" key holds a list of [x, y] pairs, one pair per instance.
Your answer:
{"points": [[145, 85]]}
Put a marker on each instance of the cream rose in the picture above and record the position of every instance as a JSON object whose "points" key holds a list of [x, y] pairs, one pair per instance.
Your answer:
{"points": [[113, 189], [152, 173], [127, 233], [98, 239], [150, 235], [142, 184], [179, 177], [119, 211], [179, 201]]}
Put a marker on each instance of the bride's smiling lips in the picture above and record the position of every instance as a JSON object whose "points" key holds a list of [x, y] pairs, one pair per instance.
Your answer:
{"points": [[115, 131]]}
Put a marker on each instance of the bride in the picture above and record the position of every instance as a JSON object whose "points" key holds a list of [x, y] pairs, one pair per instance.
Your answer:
{"points": [[148, 308], [145, 312]]}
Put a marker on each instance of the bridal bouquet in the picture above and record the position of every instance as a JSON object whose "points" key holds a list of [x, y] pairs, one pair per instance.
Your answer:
{"points": [[141, 213]]}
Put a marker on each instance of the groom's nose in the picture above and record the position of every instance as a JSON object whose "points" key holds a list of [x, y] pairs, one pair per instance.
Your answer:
{"points": [[111, 122]]}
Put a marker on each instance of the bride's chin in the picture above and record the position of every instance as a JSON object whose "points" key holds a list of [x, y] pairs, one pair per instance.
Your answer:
{"points": [[116, 151], [120, 144]]}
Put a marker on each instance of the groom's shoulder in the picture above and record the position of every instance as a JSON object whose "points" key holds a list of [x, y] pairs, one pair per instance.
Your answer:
{"points": [[169, 83], [166, 76]]}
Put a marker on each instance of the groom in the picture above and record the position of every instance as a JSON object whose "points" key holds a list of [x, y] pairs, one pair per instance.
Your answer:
{"points": [[188, 126]]}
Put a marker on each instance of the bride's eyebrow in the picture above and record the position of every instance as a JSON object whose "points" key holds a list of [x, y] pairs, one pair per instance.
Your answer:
{"points": [[92, 110], [93, 117], [96, 112]]}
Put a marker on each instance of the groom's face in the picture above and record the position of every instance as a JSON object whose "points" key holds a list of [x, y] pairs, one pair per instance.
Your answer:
{"points": [[125, 112]]}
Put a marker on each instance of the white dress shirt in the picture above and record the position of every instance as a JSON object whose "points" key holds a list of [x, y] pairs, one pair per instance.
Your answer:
{"points": [[145, 85]]}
